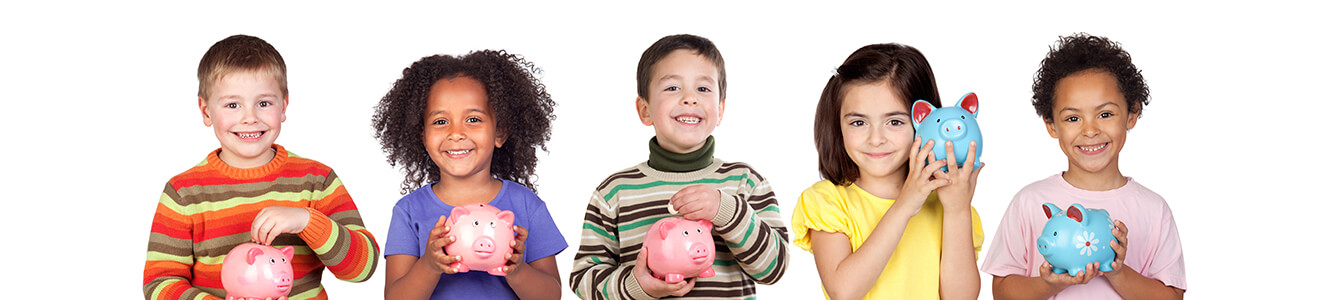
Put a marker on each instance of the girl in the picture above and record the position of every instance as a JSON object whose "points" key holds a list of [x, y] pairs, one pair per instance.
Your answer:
{"points": [[466, 129], [875, 226]]}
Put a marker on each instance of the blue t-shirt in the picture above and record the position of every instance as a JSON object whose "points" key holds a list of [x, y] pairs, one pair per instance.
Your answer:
{"points": [[415, 214]]}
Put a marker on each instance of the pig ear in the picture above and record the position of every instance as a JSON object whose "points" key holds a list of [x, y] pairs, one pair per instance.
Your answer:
{"points": [[458, 212], [969, 103], [919, 110], [1075, 213], [665, 229], [507, 216], [253, 255], [289, 252], [1050, 210], [706, 224]]}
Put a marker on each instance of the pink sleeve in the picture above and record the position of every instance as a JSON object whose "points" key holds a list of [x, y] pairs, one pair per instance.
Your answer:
{"points": [[1008, 254], [1164, 261]]}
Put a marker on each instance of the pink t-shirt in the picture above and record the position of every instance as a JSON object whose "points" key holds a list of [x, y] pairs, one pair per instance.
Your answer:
{"points": [[1153, 246]]}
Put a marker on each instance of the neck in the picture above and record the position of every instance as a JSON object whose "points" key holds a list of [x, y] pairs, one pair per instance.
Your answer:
{"points": [[885, 187], [668, 161], [459, 191], [245, 163], [1109, 178]]}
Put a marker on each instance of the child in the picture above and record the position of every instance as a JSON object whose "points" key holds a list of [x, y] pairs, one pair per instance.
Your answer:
{"points": [[1089, 94], [251, 190], [681, 94], [466, 129], [875, 226]]}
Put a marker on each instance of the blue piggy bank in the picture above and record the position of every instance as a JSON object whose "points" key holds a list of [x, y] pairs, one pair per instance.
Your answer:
{"points": [[956, 124], [1076, 237]]}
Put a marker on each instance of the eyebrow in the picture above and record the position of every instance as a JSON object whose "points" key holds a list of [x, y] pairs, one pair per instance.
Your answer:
{"points": [[1101, 106], [476, 110], [890, 114], [708, 79]]}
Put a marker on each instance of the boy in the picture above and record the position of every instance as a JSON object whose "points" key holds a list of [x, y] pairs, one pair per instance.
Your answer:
{"points": [[681, 94], [1089, 94], [251, 190]]}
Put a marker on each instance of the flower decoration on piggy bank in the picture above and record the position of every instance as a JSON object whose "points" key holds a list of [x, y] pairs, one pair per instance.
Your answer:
{"points": [[254, 271], [1075, 238], [678, 248], [956, 124], [483, 233]]}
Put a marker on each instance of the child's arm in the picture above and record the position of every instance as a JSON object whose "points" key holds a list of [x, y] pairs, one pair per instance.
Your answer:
{"points": [[168, 270], [537, 280], [411, 277], [749, 222], [601, 270], [959, 273], [337, 234]]}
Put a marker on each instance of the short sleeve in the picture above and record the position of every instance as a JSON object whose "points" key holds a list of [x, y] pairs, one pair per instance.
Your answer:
{"points": [[1007, 254], [543, 238], [1165, 252], [402, 237], [819, 208], [978, 231]]}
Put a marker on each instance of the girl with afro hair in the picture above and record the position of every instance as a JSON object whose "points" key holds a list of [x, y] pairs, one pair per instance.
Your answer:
{"points": [[465, 130]]}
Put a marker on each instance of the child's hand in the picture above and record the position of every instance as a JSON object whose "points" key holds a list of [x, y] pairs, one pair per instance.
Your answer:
{"points": [[958, 194], [918, 183], [515, 261], [1062, 281], [1120, 248], [657, 288], [434, 256], [276, 220], [696, 202]]}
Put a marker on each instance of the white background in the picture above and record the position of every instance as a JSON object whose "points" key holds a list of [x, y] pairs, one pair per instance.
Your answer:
{"points": [[99, 110]]}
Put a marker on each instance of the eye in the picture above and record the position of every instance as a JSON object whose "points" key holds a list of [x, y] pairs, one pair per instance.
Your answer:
{"points": [[283, 259], [704, 89], [440, 122], [265, 104], [1103, 115], [231, 105], [475, 223], [1055, 233], [473, 120], [938, 120], [671, 89], [962, 117], [699, 230], [491, 224], [1073, 119], [857, 123], [685, 233], [272, 260], [895, 123]]}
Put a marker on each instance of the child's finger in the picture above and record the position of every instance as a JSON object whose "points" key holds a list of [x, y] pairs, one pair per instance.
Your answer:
{"points": [[969, 157], [951, 156]]}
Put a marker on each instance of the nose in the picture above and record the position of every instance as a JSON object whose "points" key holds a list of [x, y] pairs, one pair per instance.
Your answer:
{"points": [[484, 243], [698, 251], [877, 135], [248, 116], [689, 98], [455, 133], [1043, 244], [1090, 129]]}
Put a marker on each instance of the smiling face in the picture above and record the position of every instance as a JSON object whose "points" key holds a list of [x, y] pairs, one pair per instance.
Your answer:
{"points": [[460, 134], [1090, 121], [876, 128], [246, 110], [683, 104]]}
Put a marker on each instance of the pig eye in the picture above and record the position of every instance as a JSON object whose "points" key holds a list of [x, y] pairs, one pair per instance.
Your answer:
{"points": [[699, 230], [491, 224], [685, 233], [475, 222], [273, 261], [962, 117], [283, 259], [1055, 233]]}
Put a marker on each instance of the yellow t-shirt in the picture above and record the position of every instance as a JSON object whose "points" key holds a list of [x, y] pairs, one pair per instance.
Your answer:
{"points": [[915, 265]]}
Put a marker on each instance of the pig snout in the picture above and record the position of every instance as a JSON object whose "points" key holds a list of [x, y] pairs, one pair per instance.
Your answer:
{"points": [[698, 253], [484, 247], [952, 129], [283, 281], [1044, 244]]}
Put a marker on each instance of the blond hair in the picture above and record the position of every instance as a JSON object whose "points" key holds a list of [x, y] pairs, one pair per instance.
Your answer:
{"points": [[240, 53]]}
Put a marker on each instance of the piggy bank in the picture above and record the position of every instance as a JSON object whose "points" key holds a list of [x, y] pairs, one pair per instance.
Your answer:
{"points": [[678, 248], [956, 124], [254, 271], [483, 233], [1076, 237]]}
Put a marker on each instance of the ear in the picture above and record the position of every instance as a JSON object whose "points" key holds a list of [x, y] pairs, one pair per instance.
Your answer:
{"points": [[253, 255], [1050, 210], [920, 110], [458, 212], [1131, 120], [1075, 213], [969, 103], [207, 120], [289, 252], [1052, 131], [500, 136], [644, 111], [706, 224], [286, 101], [665, 229], [722, 112], [506, 216]]}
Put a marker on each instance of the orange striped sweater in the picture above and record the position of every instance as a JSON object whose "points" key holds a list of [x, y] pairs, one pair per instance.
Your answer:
{"points": [[207, 210]]}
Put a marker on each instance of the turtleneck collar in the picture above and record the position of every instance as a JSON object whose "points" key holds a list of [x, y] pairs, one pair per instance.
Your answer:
{"points": [[276, 163], [667, 161]]}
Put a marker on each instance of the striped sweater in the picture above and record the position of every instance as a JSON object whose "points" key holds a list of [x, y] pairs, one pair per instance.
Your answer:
{"points": [[207, 210], [751, 238]]}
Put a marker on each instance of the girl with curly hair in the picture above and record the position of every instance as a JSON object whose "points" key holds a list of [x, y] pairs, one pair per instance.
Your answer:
{"points": [[465, 130]]}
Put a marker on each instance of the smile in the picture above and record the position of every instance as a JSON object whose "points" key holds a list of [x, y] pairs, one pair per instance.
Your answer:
{"points": [[458, 152], [1092, 148], [688, 120], [248, 135]]}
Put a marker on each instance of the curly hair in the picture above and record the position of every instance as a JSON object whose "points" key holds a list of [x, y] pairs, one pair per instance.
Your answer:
{"points": [[911, 77], [523, 110], [1080, 52]]}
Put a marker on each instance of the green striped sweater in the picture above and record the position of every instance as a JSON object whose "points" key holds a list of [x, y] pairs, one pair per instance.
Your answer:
{"points": [[751, 238]]}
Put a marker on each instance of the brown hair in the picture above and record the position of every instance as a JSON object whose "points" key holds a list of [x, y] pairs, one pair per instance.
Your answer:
{"points": [[1081, 52], [668, 44], [239, 53], [903, 66]]}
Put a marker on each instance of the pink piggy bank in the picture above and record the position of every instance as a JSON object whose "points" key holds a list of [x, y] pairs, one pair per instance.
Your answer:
{"points": [[254, 271], [483, 233], [678, 248]]}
